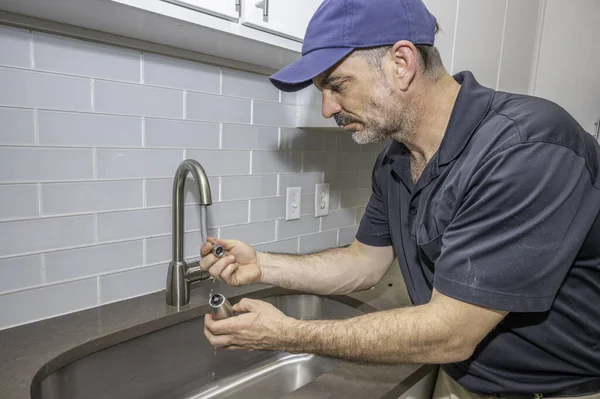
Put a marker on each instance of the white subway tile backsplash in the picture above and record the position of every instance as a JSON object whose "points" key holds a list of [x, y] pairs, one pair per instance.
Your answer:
{"points": [[16, 126], [160, 249], [159, 192], [180, 74], [267, 209], [351, 161], [273, 114], [307, 204], [135, 99], [134, 224], [40, 303], [45, 234], [250, 85], [18, 201], [335, 199], [88, 130], [80, 197], [364, 179], [341, 218], [222, 163], [305, 180], [345, 142], [119, 286], [319, 161], [342, 180], [285, 247], [318, 242], [347, 235], [242, 137], [331, 142], [246, 187], [227, 213], [78, 57], [255, 233], [288, 98], [291, 228], [276, 162], [137, 163], [167, 133], [19, 273], [298, 139], [213, 108], [32, 89], [92, 261], [355, 198], [21, 164], [15, 47]]}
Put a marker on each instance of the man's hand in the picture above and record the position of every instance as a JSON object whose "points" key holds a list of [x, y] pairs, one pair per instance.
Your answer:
{"points": [[239, 265], [262, 327]]}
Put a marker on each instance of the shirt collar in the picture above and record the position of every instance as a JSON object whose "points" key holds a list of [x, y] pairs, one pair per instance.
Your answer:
{"points": [[471, 106]]}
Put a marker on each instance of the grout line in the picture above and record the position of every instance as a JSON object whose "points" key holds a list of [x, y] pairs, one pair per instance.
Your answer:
{"points": [[251, 156], [31, 50], [298, 246], [142, 67], [144, 200], [252, 112], [144, 250], [184, 104], [98, 290], [43, 262], [502, 45], [337, 239], [184, 154], [36, 127], [143, 132], [94, 164], [96, 233], [93, 92], [250, 211], [39, 193], [220, 136], [455, 34], [279, 139], [220, 190]]}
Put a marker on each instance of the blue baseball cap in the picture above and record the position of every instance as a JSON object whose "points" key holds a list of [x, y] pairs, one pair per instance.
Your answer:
{"points": [[341, 26]]}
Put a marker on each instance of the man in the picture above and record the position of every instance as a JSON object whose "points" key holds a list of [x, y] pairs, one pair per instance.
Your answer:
{"points": [[489, 200]]}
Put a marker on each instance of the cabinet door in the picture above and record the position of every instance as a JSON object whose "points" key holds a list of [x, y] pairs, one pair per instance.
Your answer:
{"points": [[287, 18], [221, 8]]}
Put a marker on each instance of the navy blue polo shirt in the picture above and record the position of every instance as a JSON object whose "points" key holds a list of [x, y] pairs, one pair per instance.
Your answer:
{"points": [[506, 216]]}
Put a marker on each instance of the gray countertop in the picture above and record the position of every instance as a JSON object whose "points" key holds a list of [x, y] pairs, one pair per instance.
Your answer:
{"points": [[35, 350]]}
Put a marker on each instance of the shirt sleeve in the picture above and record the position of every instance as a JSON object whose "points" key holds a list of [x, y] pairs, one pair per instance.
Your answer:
{"points": [[521, 224], [374, 227]]}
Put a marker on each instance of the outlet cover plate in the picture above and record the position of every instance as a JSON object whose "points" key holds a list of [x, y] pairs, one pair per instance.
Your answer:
{"points": [[321, 199], [292, 203]]}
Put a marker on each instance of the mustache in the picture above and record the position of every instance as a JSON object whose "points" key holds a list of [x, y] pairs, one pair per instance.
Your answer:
{"points": [[345, 119]]}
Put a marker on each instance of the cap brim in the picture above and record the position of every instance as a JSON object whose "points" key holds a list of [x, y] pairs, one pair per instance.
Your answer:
{"points": [[300, 73]]}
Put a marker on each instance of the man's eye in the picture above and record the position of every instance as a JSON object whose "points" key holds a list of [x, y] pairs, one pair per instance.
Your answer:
{"points": [[337, 87]]}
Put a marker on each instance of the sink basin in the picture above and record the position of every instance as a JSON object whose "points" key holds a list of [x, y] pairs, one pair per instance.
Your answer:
{"points": [[178, 362]]}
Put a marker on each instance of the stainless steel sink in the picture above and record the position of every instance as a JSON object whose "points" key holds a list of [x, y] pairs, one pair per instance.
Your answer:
{"points": [[178, 362]]}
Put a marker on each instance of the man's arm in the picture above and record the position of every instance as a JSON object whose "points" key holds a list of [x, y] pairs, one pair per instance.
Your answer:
{"points": [[334, 271], [443, 331]]}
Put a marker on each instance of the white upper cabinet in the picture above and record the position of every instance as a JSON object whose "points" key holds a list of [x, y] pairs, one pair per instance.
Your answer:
{"points": [[227, 9], [288, 18]]}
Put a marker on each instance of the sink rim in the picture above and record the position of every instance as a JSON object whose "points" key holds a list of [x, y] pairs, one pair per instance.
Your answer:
{"points": [[175, 317]]}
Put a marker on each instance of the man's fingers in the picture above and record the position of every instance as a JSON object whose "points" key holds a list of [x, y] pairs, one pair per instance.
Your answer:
{"points": [[246, 305], [227, 244], [216, 269], [228, 271], [217, 340], [205, 249], [221, 327]]}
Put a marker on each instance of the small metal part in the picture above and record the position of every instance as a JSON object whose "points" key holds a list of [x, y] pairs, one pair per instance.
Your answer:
{"points": [[218, 251], [220, 308]]}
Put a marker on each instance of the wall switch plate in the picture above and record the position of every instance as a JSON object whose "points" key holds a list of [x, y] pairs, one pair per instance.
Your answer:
{"points": [[292, 203], [322, 199]]}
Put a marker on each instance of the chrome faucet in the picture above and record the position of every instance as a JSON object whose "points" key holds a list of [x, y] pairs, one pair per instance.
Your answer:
{"points": [[181, 274]]}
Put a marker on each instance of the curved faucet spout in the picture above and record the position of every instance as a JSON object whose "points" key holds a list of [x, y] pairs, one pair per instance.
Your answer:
{"points": [[178, 278]]}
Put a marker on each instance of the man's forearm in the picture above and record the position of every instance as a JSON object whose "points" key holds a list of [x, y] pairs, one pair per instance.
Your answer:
{"points": [[408, 335], [334, 271]]}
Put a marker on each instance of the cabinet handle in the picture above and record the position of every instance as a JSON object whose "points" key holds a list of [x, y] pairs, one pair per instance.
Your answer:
{"points": [[264, 4]]}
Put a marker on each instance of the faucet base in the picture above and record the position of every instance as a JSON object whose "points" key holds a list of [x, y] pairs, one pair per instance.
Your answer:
{"points": [[177, 287]]}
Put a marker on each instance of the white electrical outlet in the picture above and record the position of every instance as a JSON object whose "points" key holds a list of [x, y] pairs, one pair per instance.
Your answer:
{"points": [[322, 199], [292, 203]]}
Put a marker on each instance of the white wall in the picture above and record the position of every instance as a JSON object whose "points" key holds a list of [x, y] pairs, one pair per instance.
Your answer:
{"points": [[90, 137]]}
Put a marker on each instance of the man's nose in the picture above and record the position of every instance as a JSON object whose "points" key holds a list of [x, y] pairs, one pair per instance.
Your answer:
{"points": [[330, 107]]}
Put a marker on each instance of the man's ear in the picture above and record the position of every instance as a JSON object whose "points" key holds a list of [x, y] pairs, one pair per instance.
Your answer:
{"points": [[406, 60]]}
